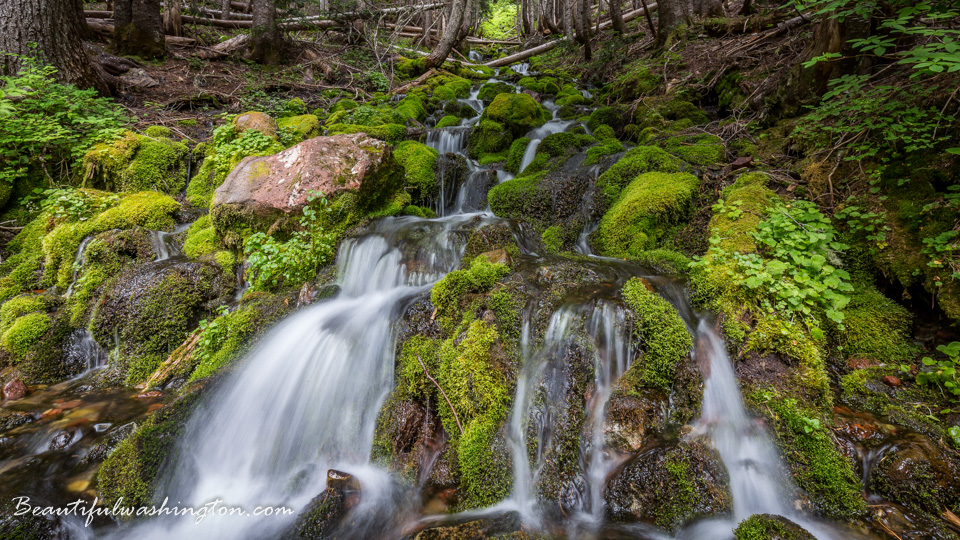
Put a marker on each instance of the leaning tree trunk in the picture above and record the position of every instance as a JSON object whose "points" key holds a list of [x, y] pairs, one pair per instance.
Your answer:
{"points": [[138, 28], [266, 44], [616, 17], [54, 25], [449, 38], [674, 16]]}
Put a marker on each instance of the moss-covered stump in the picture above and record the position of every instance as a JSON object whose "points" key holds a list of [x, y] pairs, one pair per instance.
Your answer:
{"points": [[669, 485], [137, 162], [148, 311], [323, 517], [770, 527], [645, 210], [130, 470], [271, 191]]}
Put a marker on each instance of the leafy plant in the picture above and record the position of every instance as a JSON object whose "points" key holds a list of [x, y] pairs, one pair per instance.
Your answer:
{"points": [[944, 372], [272, 262], [795, 271], [863, 223], [73, 204], [47, 125]]}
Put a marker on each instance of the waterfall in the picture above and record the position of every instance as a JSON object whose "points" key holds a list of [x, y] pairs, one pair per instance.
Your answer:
{"points": [[307, 397], [757, 484], [537, 135]]}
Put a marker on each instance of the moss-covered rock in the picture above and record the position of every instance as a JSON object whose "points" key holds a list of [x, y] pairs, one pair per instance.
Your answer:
{"points": [[489, 91], [661, 333], [136, 163], [294, 129], [876, 328], [256, 121], [648, 206], [636, 80], [770, 527], [392, 133], [419, 163], [639, 160], [518, 113], [130, 471], [24, 332], [229, 147], [488, 137], [697, 149], [148, 209], [515, 154], [448, 121], [805, 441], [148, 311], [411, 108]]}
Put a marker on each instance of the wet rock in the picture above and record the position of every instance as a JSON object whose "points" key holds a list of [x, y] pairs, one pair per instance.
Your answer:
{"points": [[890, 380], [410, 435], [28, 526], [322, 517], [11, 419], [669, 485], [491, 238], [14, 389], [61, 440], [632, 420], [258, 121], [497, 256], [264, 189], [770, 527], [918, 473]]}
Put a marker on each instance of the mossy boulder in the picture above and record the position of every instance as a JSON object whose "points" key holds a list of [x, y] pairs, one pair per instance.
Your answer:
{"points": [[419, 163], [448, 121], [24, 332], [149, 310], [295, 129], [646, 209], [411, 108], [699, 150], [229, 147], [770, 527], [135, 163], [518, 113], [488, 137], [636, 161], [272, 190], [876, 328], [489, 91]]}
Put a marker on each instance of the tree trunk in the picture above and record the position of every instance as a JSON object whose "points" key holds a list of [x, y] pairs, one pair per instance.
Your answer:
{"points": [[224, 9], [674, 17], [55, 27], [708, 8], [172, 19], [266, 43], [138, 28], [568, 20], [616, 16], [583, 28], [746, 9], [449, 38]]}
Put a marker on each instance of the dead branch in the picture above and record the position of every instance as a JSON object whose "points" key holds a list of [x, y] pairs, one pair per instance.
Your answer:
{"points": [[434, 381]]}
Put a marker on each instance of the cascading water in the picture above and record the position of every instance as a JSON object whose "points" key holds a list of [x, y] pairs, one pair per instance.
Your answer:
{"points": [[165, 243], [757, 483], [78, 262], [306, 399], [555, 125]]}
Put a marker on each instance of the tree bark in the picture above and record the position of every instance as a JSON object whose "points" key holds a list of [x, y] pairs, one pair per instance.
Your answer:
{"points": [[675, 16], [708, 8], [55, 27], [138, 28], [267, 42], [616, 16], [224, 9], [450, 35], [568, 20], [583, 28]]}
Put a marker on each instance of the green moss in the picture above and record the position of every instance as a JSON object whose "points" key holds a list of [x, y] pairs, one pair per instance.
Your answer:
{"points": [[489, 91], [606, 148], [679, 109], [344, 105], [697, 149], [876, 328], [448, 121], [136, 163], [643, 213], [22, 268], [201, 238], [24, 333], [298, 128], [488, 137], [221, 157], [131, 470], [572, 99], [563, 144], [444, 94], [641, 159], [636, 81], [818, 467], [448, 293], [769, 527], [604, 132], [661, 333], [611, 116], [19, 306], [367, 115], [411, 107], [515, 154], [530, 83], [158, 131], [480, 397], [419, 163], [790, 340], [407, 68], [392, 133], [553, 238], [523, 198], [490, 159], [518, 113], [664, 261], [147, 209]]}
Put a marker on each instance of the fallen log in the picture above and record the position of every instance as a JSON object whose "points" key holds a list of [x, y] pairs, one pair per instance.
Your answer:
{"points": [[105, 27], [419, 80], [523, 55]]}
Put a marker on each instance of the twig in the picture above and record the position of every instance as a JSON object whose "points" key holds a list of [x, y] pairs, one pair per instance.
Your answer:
{"points": [[434, 381]]}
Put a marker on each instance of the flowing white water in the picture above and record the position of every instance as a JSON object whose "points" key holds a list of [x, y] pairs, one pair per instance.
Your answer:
{"points": [[537, 135], [78, 261], [307, 398], [165, 243], [448, 139], [82, 348], [757, 483], [522, 69]]}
